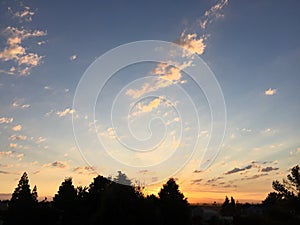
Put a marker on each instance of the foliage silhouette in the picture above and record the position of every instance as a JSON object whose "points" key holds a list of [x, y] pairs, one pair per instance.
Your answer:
{"points": [[108, 201], [174, 205]]}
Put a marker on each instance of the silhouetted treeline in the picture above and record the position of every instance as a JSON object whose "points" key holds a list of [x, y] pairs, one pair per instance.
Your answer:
{"points": [[108, 201], [104, 201]]}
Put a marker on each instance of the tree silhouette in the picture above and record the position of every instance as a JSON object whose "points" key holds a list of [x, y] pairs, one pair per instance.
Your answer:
{"points": [[34, 193], [122, 179], [66, 195], [22, 196], [228, 207], [23, 203], [289, 189], [173, 204]]}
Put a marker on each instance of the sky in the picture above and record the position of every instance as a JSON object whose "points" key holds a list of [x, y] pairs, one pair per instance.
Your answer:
{"points": [[228, 128]]}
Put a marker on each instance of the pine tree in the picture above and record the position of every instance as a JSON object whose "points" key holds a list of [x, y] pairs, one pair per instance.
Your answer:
{"points": [[66, 196], [173, 203], [22, 195], [34, 193]]}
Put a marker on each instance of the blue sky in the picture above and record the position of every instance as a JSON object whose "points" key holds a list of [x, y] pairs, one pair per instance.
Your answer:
{"points": [[252, 48]]}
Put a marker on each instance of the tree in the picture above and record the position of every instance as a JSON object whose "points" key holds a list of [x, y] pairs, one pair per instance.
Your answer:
{"points": [[66, 196], [289, 189], [23, 203], [173, 204], [22, 196], [34, 193], [228, 207], [122, 179]]}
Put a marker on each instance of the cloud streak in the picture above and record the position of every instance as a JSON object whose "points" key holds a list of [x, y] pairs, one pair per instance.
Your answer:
{"points": [[236, 170]]}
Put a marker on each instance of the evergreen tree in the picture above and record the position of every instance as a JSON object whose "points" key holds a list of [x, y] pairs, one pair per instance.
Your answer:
{"points": [[173, 204], [22, 196], [66, 197], [34, 193]]}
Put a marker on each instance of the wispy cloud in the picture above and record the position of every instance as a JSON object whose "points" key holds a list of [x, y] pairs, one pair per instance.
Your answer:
{"points": [[255, 176], [65, 112], [17, 127], [17, 137], [193, 43], [269, 168], [108, 133], [270, 91], [213, 14], [196, 181], [12, 154], [89, 170], [20, 105], [57, 164], [236, 170], [24, 14], [6, 120], [40, 140]]}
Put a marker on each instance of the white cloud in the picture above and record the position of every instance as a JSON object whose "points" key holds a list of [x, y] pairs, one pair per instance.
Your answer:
{"points": [[193, 43], [67, 111], [17, 137], [18, 104], [48, 88], [143, 108], [108, 133], [270, 91], [16, 52], [17, 127], [73, 57], [213, 14], [24, 15], [40, 140], [6, 120]]}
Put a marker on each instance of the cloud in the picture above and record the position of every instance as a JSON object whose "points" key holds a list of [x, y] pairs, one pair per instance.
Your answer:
{"points": [[17, 137], [6, 153], [57, 164], [17, 127], [48, 88], [213, 14], [144, 108], [15, 50], [270, 91], [24, 15], [196, 181], [6, 120], [255, 176], [236, 170], [84, 170], [213, 180], [73, 57], [109, 133], [12, 154], [269, 168], [67, 111], [192, 42], [13, 145], [40, 140], [17, 104]]}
